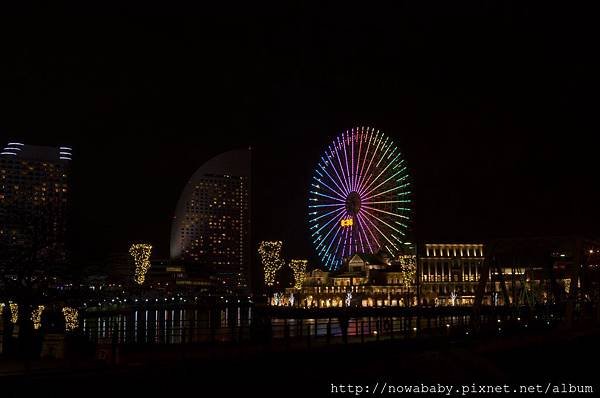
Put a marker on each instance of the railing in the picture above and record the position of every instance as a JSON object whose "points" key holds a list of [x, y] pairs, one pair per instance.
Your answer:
{"points": [[322, 328]]}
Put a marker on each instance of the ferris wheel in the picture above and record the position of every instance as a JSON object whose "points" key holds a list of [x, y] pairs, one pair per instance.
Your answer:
{"points": [[359, 198]]}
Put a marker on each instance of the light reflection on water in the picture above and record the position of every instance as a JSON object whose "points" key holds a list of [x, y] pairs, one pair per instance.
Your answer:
{"points": [[171, 326], [175, 326]]}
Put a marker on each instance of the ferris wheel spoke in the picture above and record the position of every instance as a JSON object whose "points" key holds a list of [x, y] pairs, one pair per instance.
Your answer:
{"points": [[366, 191], [339, 159], [349, 176], [382, 202], [320, 182], [324, 225], [324, 238], [384, 222], [334, 181], [327, 250], [369, 181], [337, 247], [366, 194], [366, 176], [362, 167], [386, 212], [324, 215], [341, 180], [353, 174], [370, 231], [347, 241], [382, 234], [387, 149], [355, 171], [329, 205], [361, 232], [327, 196], [398, 239], [389, 190], [362, 245], [377, 165]]}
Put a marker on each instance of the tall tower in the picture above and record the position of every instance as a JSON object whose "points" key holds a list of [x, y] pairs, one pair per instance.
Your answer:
{"points": [[211, 227], [34, 198]]}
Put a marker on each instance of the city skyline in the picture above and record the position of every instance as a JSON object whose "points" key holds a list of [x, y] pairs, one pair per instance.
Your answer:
{"points": [[186, 203], [500, 139], [569, 217]]}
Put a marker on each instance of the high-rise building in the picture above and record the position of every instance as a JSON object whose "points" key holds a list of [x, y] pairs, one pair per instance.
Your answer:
{"points": [[34, 198], [211, 227]]}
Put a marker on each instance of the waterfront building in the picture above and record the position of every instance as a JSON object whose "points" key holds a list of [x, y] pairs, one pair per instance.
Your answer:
{"points": [[366, 280], [449, 273], [35, 199], [523, 272], [211, 226]]}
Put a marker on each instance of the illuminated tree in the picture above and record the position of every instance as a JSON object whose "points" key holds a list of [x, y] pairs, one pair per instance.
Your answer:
{"points": [[270, 257], [36, 316], [299, 269], [14, 312], [408, 268], [71, 318], [141, 257], [292, 299]]}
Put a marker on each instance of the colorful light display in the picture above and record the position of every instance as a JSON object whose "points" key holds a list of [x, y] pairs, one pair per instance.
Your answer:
{"points": [[359, 197], [299, 269], [270, 257], [141, 257]]}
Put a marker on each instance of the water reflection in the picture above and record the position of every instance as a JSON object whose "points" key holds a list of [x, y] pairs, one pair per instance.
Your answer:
{"points": [[169, 326], [177, 326]]}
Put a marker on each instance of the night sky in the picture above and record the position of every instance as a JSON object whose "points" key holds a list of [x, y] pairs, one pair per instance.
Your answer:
{"points": [[494, 106]]}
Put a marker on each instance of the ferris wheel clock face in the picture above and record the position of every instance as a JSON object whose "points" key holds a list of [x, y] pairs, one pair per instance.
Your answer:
{"points": [[359, 198]]}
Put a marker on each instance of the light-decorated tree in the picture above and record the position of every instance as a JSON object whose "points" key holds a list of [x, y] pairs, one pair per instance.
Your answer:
{"points": [[299, 269], [270, 257]]}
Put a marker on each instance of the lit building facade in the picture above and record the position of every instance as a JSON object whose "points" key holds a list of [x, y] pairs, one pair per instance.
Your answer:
{"points": [[35, 198], [211, 226], [450, 273], [443, 275], [366, 280], [522, 272]]}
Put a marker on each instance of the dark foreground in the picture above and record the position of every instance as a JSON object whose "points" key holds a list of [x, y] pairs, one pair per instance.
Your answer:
{"points": [[556, 357]]}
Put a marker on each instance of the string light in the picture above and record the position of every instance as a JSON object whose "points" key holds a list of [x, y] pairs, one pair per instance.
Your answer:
{"points": [[71, 318], [14, 312], [270, 256], [277, 299], [292, 299], [408, 268], [348, 299], [141, 257], [299, 269], [36, 316]]}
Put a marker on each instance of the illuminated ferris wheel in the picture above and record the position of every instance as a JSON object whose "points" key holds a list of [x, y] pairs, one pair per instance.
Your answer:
{"points": [[359, 199]]}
